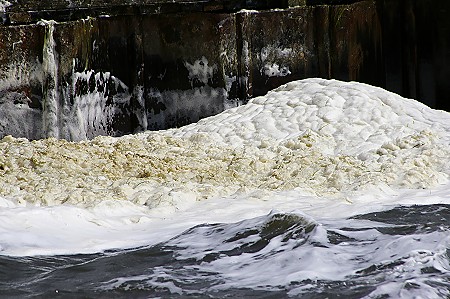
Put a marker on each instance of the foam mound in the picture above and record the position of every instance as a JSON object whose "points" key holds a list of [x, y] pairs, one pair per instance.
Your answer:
{"points": [[324, 137]]}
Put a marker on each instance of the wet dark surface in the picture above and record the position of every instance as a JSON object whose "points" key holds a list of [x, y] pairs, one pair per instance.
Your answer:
{"points": [[183, 267]]}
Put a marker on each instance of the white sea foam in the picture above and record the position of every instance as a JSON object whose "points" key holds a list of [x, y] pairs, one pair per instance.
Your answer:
{"points": [[4, 4], [325, 147], [270, 53], [200, 70]]}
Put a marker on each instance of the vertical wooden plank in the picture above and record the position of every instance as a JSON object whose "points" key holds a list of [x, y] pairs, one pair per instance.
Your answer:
{"points": [[391, 16], [321, 26], [441, 53], [355, 42]]}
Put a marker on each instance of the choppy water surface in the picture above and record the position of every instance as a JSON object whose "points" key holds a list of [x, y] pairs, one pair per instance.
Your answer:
{"points": [[399, 253]]}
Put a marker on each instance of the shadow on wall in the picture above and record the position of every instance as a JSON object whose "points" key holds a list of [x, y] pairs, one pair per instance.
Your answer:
{"points": [[416, 49]]}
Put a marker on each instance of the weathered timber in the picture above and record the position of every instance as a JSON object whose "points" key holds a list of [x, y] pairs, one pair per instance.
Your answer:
{"points": [[416, 49], [342, 42], [29, 11]]}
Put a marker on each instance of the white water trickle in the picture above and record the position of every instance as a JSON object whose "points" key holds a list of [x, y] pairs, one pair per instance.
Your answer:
{"points": [[51, 85], [245, 71], [91, 114], [141, 111]]}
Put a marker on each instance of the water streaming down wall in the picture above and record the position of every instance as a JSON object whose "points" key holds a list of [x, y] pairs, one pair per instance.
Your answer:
{"points": [[96, 76], [50, 95], [160, 64], [52, 90]]}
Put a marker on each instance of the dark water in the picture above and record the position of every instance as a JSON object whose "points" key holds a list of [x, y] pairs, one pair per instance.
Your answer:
{"points": [[399, 253]]}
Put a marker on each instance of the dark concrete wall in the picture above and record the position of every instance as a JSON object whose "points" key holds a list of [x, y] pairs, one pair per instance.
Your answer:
{"points": [[121, 74], [163, 64], [116, 75]]}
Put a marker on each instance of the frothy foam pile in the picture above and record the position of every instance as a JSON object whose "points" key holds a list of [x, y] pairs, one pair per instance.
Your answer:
{"points": [[318, 136]]}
